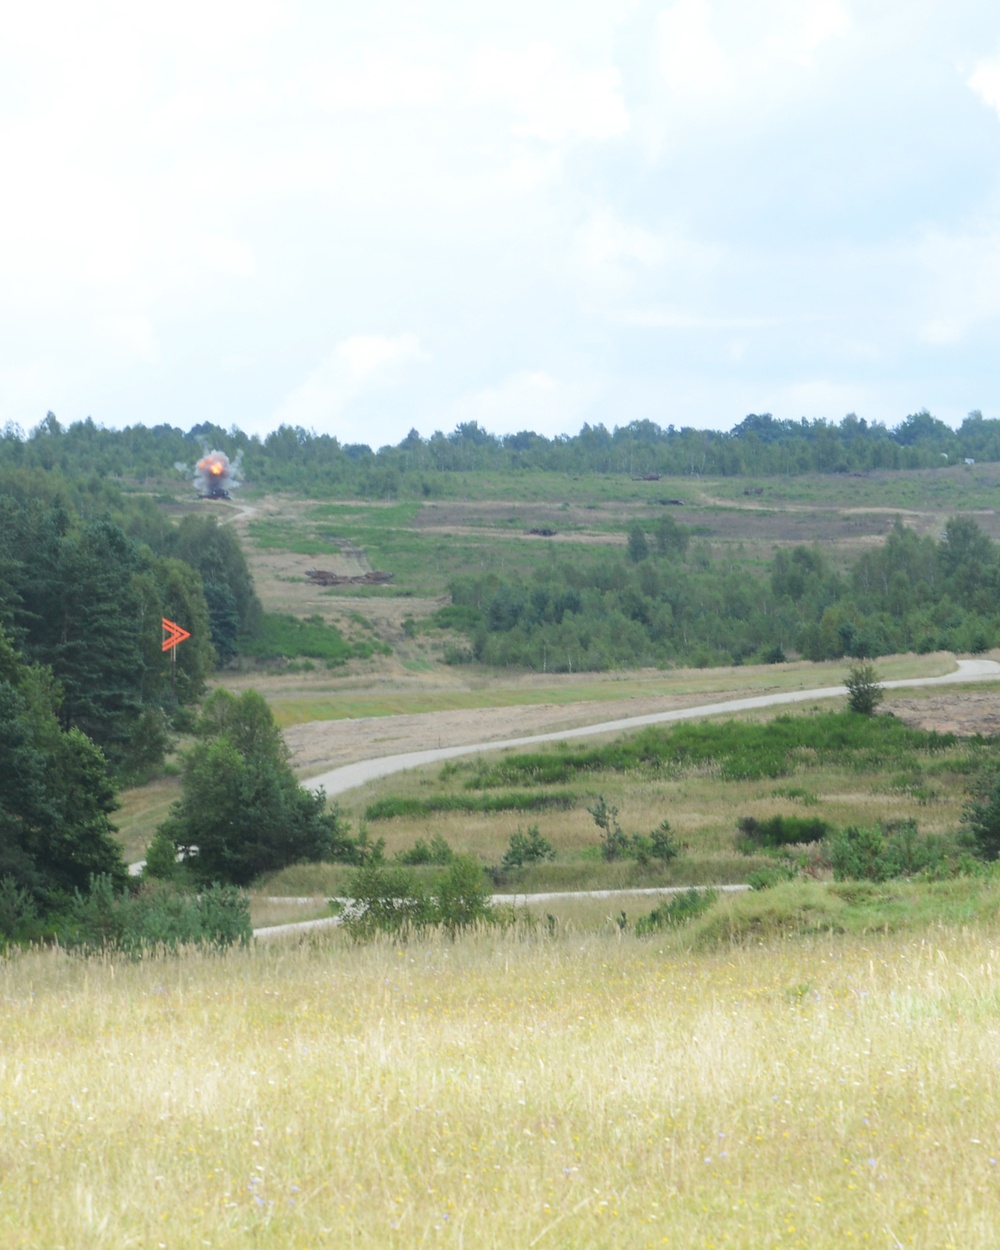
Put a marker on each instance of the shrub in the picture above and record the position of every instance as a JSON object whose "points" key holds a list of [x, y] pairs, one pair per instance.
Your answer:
{"points": [[864, 693], [437, 851], [676, 911], [894, 850], [781, 831], [526, 848], [386, 899], [156, 918], [18, 912], [982, 817], [765, 878], [614, 843], [663, 845], [463, 896]]}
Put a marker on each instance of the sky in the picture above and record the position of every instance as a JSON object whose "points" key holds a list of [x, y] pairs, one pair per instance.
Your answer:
{"points": [[364, 219]]}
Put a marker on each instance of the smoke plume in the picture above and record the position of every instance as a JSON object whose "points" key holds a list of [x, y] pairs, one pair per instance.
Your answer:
{"points": [[215, 476]]}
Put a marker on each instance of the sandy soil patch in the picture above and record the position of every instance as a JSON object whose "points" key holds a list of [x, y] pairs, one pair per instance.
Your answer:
{"points": [[965, 713]]}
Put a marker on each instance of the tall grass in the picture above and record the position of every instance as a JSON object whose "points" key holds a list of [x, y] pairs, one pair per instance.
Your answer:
{"points": [[593, 1091]]}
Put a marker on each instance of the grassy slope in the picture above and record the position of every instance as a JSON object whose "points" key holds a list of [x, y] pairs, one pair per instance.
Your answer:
{"points": [[584, 1090]]}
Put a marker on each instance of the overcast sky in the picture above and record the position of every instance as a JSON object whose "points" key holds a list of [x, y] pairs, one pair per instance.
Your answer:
{"points": [[366, 218]]}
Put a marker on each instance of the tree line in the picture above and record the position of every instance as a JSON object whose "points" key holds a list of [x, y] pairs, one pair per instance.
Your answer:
{"points": [[303, 460]]}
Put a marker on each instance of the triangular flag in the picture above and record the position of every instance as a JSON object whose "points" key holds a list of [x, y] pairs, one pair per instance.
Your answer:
{"points": [[174, 634]]}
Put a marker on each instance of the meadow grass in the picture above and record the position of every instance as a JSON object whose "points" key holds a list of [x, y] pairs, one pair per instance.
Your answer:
{"points": [[587, 1089], [326, 698]]}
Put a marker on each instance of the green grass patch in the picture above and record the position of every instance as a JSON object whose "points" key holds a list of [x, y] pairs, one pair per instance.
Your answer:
{"points": [[803, 909], [396, 805], [290, 638], [740, 750]]}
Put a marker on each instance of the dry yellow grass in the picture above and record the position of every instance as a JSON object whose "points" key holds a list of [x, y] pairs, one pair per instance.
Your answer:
{"points": [[592, 1090]]}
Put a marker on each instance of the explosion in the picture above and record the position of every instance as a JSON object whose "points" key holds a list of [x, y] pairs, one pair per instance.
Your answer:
{"points": [[215, 476]]}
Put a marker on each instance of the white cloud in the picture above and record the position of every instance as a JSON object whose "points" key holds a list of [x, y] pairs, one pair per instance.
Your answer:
{"points": [[555, 102], [133, 334], [958, 283], [719, 55], [605, 252], [661, 318], [383, 82], [985, 82], [355, 365], [527, 400]]}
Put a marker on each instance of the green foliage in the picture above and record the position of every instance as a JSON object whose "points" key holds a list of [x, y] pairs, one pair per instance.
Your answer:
{"points": [[463, 897], [982, 816], [288, 637], [56, 797], [767, 878], [396, 805], [437, 851], [660, 845], [895, 850], [526, 848], [677, 910], [242, 812], [19, 917], [781, 831], [388, 899], [741, 750], [615, 844], [864, 693], [637, 546], [157, 918]]}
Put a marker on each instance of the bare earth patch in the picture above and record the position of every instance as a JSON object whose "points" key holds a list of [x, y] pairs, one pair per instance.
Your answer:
{"points": [[965, 713]]}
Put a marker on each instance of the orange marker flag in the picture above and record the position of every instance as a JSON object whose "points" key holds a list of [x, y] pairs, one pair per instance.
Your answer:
{"points": [[174, 634]]}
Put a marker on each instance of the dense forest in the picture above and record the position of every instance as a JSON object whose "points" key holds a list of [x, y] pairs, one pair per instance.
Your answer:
{"points": [[310, 463], [86, 574], [663, 600]]}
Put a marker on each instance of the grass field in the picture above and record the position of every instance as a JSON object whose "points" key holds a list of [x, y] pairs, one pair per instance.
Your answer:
{"points": [[584, 1090], [813, 1065]]}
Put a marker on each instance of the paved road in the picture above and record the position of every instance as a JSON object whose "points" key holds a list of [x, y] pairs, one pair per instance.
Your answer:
{"points": [[349, 776]]}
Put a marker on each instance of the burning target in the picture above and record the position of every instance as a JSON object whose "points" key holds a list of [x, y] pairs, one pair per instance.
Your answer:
{"points": [[215, 477]]}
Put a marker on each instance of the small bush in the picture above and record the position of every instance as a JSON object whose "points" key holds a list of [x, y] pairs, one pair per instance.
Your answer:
{"points": [[864, 693], [19, 919], [156, 918], [895, 850], [766, 878], [661, 844], [463, 896], [437, 851], [981, 817], [526, 848], [676, 911], [386, 899], [615, 844], [781, 831]]}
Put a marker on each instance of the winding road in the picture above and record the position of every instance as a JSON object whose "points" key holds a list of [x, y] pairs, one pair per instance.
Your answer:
{"points": [[349, 776]]}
